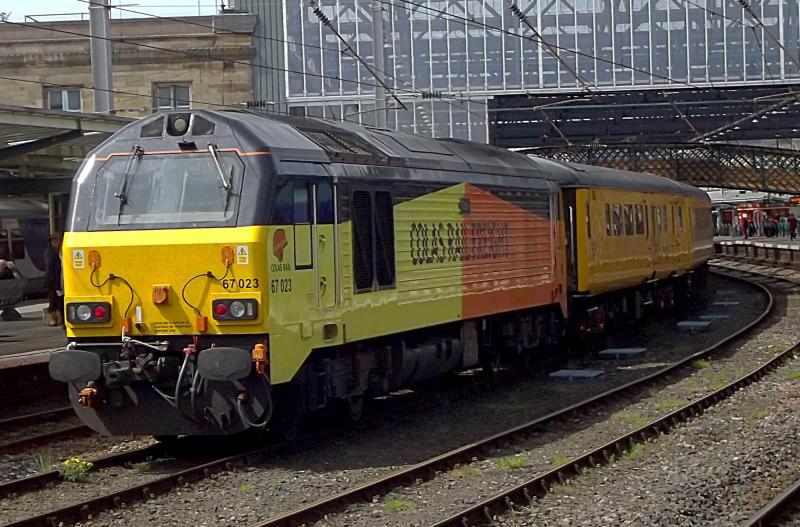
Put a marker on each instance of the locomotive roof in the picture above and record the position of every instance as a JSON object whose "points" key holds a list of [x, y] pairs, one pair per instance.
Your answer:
{"points": [[309, 139]]}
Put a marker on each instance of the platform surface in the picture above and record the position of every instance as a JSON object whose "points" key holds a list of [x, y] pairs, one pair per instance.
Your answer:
{"points": [[775, 240], [28, 341]]}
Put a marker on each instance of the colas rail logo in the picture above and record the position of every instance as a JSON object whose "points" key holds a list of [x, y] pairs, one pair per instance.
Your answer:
{"points": [[279, 244]]}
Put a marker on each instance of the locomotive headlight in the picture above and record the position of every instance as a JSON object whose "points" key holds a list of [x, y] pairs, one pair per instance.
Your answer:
{"points": [[84, 313], [237, 309]]}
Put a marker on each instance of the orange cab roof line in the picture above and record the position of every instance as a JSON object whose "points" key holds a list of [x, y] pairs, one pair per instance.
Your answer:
{"points": [[155, 152]]}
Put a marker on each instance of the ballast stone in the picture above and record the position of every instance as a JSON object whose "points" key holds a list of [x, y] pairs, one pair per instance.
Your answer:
{"points": [[576, 374], [621, 353]]}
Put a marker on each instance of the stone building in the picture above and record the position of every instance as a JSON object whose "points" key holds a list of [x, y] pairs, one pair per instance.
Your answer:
{"points": [[197, 62]]}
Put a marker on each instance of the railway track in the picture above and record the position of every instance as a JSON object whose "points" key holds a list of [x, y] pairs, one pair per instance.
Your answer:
{"points": [[482, 513], [772, 511], [421, 471], [166, 483], [8, 425]]}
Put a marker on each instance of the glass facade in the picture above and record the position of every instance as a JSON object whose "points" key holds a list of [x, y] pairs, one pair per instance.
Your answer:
{"points": [[474, 49]]}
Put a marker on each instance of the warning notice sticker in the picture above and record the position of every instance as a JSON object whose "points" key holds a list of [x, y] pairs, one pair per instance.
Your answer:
{"points": [[242, 255], [78, 259]]}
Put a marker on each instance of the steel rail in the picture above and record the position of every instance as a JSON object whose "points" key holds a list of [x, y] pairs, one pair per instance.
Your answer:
{"points": [[78, 511], [773, 510], [427, 469], [165, 483], [17, 420], [30, 440], [485, 511], [44, 479]]}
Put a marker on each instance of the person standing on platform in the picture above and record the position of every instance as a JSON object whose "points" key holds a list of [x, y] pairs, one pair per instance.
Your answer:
{"points": [[792, 226], [55, 284]]}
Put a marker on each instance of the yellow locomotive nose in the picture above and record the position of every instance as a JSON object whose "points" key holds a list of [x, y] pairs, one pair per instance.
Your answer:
{"points": [[167, 282]]}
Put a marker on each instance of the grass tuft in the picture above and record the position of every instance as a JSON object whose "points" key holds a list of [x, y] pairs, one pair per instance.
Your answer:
{"points": [[635, 450], [561, 459], [244, 488], [632, 418], [669, 404], [511, 462], [46, 461], [394, 505], [466, 472], [700, 364], [793, 375]]}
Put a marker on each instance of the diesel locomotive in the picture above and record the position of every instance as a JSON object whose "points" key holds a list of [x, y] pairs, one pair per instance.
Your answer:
{"points": [[227, 270]]}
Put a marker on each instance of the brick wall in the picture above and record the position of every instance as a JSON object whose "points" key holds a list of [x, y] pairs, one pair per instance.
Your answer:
{"points": [[220, 74]]}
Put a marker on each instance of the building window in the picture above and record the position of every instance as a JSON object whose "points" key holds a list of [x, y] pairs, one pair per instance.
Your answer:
{"points": [[67, 99], [172, 96]]}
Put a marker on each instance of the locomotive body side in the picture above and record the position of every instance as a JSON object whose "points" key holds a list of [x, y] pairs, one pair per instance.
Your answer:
{"points": [[211, 290]]}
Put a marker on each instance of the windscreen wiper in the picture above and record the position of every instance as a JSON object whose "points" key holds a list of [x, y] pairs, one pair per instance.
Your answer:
{"points": [[136, 152], [226, 181], [226, 184]]}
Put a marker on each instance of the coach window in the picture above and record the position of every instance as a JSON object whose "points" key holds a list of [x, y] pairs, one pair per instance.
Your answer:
{"points": [[608, 220], [588, 223], [664, 218], [680, 218], [617, 220], [639, 219], [628, 220]]}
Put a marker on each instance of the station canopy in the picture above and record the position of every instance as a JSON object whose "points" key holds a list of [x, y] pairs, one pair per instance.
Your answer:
{"points": [[40, 150]]}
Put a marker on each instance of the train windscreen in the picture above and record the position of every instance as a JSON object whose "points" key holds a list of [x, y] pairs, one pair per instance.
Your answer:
{"points": [[167, 191]]}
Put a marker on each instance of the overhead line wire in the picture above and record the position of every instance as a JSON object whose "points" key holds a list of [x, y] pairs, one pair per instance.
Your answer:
{"points": [[475, 23]]}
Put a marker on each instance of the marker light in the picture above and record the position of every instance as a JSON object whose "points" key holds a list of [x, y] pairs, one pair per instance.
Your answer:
{"points": [[221, 310], [84, 313], [100, 312]]}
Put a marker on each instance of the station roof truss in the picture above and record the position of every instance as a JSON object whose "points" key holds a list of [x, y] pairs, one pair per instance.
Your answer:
{"points": [[720, 114], [702, 165], [41, 149]]}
